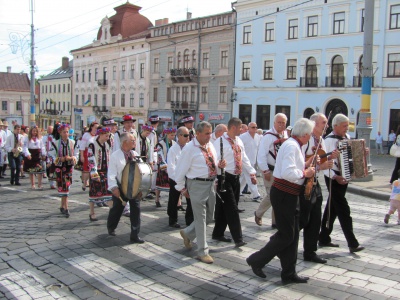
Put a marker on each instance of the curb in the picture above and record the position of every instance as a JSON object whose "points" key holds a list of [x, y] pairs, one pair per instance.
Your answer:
{"points": [[378, 195]]}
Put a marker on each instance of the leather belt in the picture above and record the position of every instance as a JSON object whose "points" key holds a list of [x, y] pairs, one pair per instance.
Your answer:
{"points": [[204, 179]]}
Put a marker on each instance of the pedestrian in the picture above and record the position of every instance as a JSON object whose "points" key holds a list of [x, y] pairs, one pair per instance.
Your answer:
{"points": [[394, 200], [289, 174], [83, 150], [397, 164], [391, 139], [154, 121], [13, 147], [47, 139], [128, 122], [379, 141]]}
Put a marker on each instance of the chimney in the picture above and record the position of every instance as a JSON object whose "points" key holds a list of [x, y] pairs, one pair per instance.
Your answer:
{"points": [[165, 21], [159, 22], [65, 63], [9, 69], [188, 15]]}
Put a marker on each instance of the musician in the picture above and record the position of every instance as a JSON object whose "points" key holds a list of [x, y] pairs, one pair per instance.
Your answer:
{"points": [[34, 152], [226, 208], [266, 157], [128, 123], [154, 120], [47, 142], [310, 209], [289, 174], [99, 152], [87, 138], [14, 148], [251, 141], [218, 132], [338, 203], [188, 122], [195, 175], [63, 156], [118, 160]]}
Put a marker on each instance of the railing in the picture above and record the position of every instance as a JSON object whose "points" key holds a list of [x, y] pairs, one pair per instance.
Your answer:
{"points": [[357, 81], [308, 82], [102, 82], [186, 74], [337, 81]]}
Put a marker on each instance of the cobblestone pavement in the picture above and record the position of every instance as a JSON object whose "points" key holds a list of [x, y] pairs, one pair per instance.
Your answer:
{"points": [[43, 255]]}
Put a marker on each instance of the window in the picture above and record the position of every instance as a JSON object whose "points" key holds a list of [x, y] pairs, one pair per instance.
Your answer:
{"points": [[178, 94], [311, 73], [222, 94], [338, 23], [131, 100], [169, 94], [96, 74], [192, 94], [83, 100], [247, 34], [155, 94], [76, 100], [68, 106], [246, 70], [179, 60], [63, 106], [113, 100], [170, 63], [83, 77], [194, 59], [104, 101], [59, 88], [94, 99], [291, 68], [123, 70], [245, 113], [362, 20], [142, 70], [284, 110], [205, 60], [337, 72], [263, 115], [114, 74], [269, 31], [185, 93], [186, 59], [293, 29], [394, 65], [69, 87], [224, 59], [64, 88], [132, 74], [104, 74], [76, 79], [394, 17], [204, 94], [59, 106], [268, 69], [90, 75], [46, 88], [312, 28], [122, 100], [156, 65], [3, 105], [141, 100]]}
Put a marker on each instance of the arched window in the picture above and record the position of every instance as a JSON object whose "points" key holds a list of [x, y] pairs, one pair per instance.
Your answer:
{"points": [[336, 106], [311, 72], [186, 59], [179, 60], [194, 63], [337, 72], [308, 112]]}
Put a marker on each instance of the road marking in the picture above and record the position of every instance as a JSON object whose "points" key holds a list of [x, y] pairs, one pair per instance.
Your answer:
{"points": [[13, 189], [150, 216]]}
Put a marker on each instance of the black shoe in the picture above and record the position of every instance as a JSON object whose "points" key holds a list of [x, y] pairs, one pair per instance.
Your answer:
{"points": [[12, 182], [317, 259], [92, 219], [274, 226], [330, 244], [62, 210], [247, 193], [180, 207], [356, 249], [137, 240], [17, 183], [66, 212], [256, 270], [158, 204], [241, 210], [295, 279], [222, 239], [111, 232], [240, 244], [175, 225]]}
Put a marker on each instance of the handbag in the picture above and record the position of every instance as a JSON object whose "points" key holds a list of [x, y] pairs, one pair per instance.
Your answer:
{"points": [[395, 150]]}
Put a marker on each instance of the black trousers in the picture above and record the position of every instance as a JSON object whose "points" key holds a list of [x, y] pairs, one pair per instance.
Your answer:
{"points": [[173, 199], [15, 164], [226, 208], [285, 241], [115, 215], [310, 221], [396, 169], [339, 208]]}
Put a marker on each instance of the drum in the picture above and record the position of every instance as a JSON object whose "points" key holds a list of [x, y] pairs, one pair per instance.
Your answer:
{"points": [[136, 178]]}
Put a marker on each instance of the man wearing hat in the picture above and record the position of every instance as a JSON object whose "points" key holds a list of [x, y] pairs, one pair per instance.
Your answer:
{"points": [[128, 123], [153, 120], [188, 122], [110, 123]]}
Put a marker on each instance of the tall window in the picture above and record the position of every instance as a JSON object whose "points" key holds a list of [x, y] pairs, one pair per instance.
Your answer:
{"points": [[131, 100], [169, 94], [3, 105], [132, 73], [194, 63], [394, 65], [96, 77], [170, 63], [142, 70], [76, 100], [94, 99], [394, 17], [222, 94], [122, 100], [312, 28], [69, 88], [224, 59], [185, 93], [269, 31], [362, 20], [192, 94], [293, 29], [337, 72], [155, 94], [204, 94], [104, 101], [268, 70], [178, 94], [19, 106], [205, 60], [141, 100], [89, 76], [123, 70], [178, 60], [83, 100], [156, 65], [311, 72], [291, 68], [246, 70], [247, 34], [338, 23], [59, 88], [113, 100], [83, 75], [104, 74], [114, 73], [77, 79], [186, 59], [64, 88]]}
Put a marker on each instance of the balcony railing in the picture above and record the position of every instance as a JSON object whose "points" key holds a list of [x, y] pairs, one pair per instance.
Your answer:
{"points": [[102, 82], [308, 82], [176, 105], [179, 75], [357, 81], [101, 109], [338, 81]]}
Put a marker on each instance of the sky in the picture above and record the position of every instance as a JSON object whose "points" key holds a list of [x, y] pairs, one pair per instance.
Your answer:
{"points": [[61, 26]]}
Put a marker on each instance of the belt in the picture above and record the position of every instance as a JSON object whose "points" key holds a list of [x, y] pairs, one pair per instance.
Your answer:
{"points": [[232, 175], [204, 179]]}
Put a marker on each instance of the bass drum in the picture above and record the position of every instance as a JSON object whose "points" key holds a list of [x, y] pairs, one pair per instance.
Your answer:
{"points": [[136, 178]]}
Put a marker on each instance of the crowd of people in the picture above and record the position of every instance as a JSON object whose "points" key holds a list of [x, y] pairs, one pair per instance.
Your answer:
{"points": [[211, 170]]}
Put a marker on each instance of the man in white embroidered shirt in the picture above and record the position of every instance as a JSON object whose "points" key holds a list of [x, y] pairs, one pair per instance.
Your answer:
{"points": [[197, 169]]}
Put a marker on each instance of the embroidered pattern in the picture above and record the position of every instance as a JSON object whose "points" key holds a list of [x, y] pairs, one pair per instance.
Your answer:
{"points": [[237, 155], [212, 170]]}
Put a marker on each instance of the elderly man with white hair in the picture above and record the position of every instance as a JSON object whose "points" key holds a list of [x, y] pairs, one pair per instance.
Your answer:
{"points": [[218, 132]]}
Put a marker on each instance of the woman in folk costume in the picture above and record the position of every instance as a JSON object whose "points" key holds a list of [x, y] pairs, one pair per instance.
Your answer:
{"points": [[62, 154], [34, 151], [83, 150], [162, 181], [99, 155], [24, 133]]}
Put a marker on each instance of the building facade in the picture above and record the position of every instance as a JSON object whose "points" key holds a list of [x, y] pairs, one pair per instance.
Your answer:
{"points": [[55, 104], [303, 57], [192, 68]]}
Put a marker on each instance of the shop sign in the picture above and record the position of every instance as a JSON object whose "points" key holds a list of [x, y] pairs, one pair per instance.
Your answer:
{"points": [[133, 113], [78, 111]]}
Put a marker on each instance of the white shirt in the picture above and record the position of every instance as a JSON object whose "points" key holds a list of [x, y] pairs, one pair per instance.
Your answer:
{"points": [[10, 142], [251, 146], [266, 145], [192, 164], [331, 144], [290, 162], [392, 137], [115, 167], [87, 138], [31, 144], [307, 149], [3, 137], [47, 139], [172, 157], [150, 151], [117, 143], [379, 139], [229, 155]]}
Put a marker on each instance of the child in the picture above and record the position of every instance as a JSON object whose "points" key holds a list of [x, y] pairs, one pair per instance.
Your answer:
{"points": [[394, 201]]}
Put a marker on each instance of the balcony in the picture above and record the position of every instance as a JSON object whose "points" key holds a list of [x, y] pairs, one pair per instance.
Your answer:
{"points": [[308, 82], [101, 109], [337, 81], [183, 75], [182, 106], [357, 81], [102, 82]]}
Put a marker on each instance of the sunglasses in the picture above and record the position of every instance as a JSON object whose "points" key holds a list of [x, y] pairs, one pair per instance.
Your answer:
{"points": [[185, 135], [254, 127]]}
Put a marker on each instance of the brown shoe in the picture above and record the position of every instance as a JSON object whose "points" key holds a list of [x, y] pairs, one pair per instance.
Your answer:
{"points": [[386, 220], [186, 240], [206, 259], [257, 219]]}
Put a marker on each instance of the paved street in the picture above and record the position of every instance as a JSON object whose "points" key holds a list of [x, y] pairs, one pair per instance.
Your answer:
{"points": [[43, 255]]}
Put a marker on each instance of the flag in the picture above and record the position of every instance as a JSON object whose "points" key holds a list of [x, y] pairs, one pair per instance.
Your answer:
{"points": [[52, 101], [87, 103], [47, 101]]}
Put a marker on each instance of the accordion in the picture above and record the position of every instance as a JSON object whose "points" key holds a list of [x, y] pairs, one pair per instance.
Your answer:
{"points": [[353, 159]]}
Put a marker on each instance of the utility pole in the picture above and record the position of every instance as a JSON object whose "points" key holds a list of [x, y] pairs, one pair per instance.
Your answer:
{"points": [[364, 125], [32, 64]]}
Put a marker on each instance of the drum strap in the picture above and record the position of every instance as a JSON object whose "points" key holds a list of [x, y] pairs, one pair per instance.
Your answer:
{"points": [[131, 177]]}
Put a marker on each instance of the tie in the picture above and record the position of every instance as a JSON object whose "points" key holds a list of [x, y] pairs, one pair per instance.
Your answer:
{"points": [[237, 155]]}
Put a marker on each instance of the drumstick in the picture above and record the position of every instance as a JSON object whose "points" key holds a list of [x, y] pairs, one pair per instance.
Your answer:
{"points": [[123, 202]]}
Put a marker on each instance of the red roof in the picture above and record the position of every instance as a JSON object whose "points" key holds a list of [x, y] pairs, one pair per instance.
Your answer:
{"points": [[18, 82]]}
